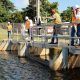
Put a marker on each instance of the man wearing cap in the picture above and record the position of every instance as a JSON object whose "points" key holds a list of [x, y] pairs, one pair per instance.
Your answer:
{"points": [[28, 24], [56, 28], [77, 16], [9, 28]]}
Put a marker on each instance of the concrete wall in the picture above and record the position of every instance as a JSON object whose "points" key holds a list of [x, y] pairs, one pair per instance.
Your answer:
{"points": [[8, 45]]}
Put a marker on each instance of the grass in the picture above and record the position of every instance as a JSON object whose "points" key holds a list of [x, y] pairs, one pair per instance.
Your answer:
{"points": [[16, 37]]}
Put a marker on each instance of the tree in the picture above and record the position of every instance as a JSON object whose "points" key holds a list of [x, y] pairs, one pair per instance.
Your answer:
{"points": [[54, 5], [6, 7], [44, 8], [7, 4], [16, 17], [29, 11], [66, 15]]}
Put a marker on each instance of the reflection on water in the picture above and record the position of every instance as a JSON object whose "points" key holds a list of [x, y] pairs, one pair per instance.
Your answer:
{"points": [[22, 60], [4, 55], [14, 68], [66, 75]]}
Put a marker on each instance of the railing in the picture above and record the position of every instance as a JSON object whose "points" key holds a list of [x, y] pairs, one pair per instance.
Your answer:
{"points": [[40, 34], [43, 35]]}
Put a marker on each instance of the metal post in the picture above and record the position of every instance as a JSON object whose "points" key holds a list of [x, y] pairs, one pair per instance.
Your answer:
{"points": [[17, 34], [45, 43], [38, 10], [65, 57]]}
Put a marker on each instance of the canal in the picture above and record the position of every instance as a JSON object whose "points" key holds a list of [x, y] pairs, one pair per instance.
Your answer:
{"points": [[14, 68]]}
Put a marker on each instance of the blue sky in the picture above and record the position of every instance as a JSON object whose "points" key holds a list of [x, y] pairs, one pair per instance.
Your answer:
{"points": [[63, 4], [20, 3]]}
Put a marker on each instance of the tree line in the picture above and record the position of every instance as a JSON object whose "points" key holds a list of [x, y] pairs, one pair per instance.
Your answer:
{"points": [[8, 11]]}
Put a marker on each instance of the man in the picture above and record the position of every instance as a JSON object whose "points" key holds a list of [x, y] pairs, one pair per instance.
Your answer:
{"points": [[28, 24], [77, 16], [78, 20], [9, 28], [56, 28]]}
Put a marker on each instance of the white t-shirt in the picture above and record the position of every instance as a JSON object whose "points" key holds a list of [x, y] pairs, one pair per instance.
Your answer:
{"points": [[78, 15], [31, 23]]}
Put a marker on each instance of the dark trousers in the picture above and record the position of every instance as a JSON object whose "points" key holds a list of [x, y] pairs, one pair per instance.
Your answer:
{"points": [[78, 32], [28, 31], [56, 31], [72, 35], [9, 34]]}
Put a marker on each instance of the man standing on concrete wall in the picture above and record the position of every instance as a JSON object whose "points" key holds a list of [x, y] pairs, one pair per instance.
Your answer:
{"points": [[9, 28], [56, 28], [28, 26]]}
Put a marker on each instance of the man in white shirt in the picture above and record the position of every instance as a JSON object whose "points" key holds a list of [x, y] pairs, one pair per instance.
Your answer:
{"points": [[78, 20], [29, 25]]}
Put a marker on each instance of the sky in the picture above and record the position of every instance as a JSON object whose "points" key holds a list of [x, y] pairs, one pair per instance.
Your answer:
{"points": [[20, 3], [63, 4]]}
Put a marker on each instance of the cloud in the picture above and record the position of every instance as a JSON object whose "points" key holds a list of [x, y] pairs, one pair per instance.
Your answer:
{"points": [[25, 2], [21, 3]]}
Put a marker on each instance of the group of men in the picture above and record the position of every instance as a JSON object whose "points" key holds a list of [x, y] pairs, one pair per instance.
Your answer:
{"points": [[57, 21], [27, 26], [56, 26]]}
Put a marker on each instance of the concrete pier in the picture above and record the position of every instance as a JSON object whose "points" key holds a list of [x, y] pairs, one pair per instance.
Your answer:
{"points": [[59, 58], [8, 45], [21, 49], [55, 58], [65, 53]]}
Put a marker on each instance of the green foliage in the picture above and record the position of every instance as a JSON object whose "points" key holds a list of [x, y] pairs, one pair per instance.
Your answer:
{"points": [[8, 12], [6, 6], [54, 5], [16, 17], [66, 15], [29, 11], [44, 9]]}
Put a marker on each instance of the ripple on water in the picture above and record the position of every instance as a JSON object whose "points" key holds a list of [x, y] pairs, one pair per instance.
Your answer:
{"points": [[13, 68]]}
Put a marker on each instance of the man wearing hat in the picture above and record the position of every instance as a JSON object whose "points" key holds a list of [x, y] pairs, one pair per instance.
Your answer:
{"points": [[28, 24], [56, 28], [9, 28], [75, 18]]}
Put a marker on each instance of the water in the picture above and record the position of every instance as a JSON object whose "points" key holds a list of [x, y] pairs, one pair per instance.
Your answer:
{"points": [[14, 68], [66, 75]]}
